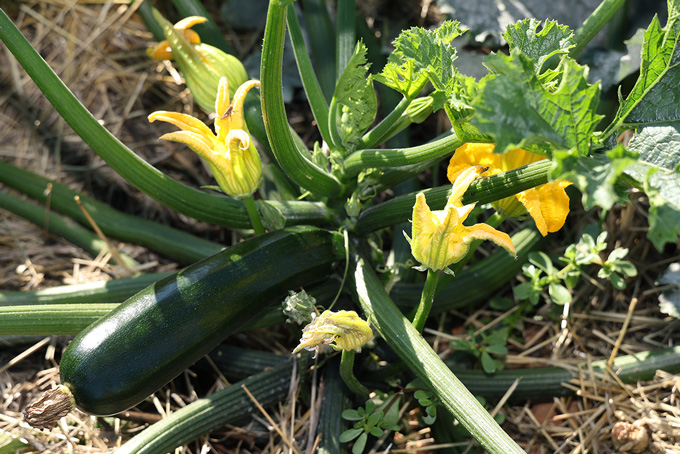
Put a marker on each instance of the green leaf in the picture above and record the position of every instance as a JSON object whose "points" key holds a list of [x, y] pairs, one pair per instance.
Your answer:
{"points": [[376, 431], [351, 415], [617, 281], [518, 110], [658, 172], [539, 41], [497, 349], [354, 104], [350, 434], [656, 94], [596, 176], [488, 364], [559, 294], [360, 444], [431, 52], [542, 260], [374, 419], [402, 76]]}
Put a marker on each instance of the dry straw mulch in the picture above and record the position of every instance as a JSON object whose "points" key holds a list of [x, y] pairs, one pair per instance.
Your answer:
{"points": [[98, 49]]}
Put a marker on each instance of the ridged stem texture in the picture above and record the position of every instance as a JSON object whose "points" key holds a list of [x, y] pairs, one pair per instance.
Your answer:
{"points": [[407, 342], [290, 157]]}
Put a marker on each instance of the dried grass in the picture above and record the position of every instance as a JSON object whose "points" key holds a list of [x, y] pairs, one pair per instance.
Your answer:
{"points": [[97, 48]]}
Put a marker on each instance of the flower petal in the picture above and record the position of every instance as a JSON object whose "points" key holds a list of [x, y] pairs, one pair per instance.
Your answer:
{"points": [[548, 204], [486, 232], [221, 106], [462, 183], [423, 222], [182, 121], [232, 118], [197, 142], [189, 22], [473, 154]]}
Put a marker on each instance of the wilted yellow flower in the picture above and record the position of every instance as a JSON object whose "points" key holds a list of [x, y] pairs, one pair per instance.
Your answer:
{"points": [[202, 65], [345, 328], [231, 154], [547, 204], [439, 237]]}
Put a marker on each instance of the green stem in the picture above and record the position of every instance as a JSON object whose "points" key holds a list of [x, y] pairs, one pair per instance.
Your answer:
{"points": [[426, 300], [173, 243], [399, 157], [347, 374], [292, 159], [255, 220], [315, 96], [424, 362], [322, 43], [214, 411], [61, 226], [113, 291], [483, 190], [384, 129], [177, 196], [345, 35], [595, 22]]}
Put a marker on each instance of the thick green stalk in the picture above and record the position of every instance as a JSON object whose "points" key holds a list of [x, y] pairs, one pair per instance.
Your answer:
{"points": [[345, 35], [223, 407], [173, 243], [546, 382], [189, 201], [426, 300], [424, 362], [595, 22], [322, 43], [181, 198], [347, 374], [51, 319], [386, 158], [336, 398], [292, 160], [483, 190], [61, 226], [113, 291], [315, 96]]}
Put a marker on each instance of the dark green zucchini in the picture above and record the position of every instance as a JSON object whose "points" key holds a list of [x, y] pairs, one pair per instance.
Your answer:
{"points": [[152, 337]]}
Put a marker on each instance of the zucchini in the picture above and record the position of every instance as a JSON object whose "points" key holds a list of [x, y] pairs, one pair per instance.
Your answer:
{"points": [[152, 337]]}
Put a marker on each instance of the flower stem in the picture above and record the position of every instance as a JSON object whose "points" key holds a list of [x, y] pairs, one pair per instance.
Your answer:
{"points": [[347, 374], [255, 220], [426, 300]]}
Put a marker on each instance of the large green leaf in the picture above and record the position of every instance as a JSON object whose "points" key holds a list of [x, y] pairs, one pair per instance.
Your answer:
{"points": [[519, 110], [656, 94], [658, 173]]}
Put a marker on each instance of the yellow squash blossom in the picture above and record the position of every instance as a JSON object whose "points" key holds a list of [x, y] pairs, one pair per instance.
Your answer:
{"points": [[439, 237], [202, 65], [547, 204], [231, 154], [345, 328]]}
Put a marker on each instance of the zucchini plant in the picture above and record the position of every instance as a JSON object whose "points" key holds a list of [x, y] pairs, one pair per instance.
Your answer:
{"points": [[524, 139]]}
